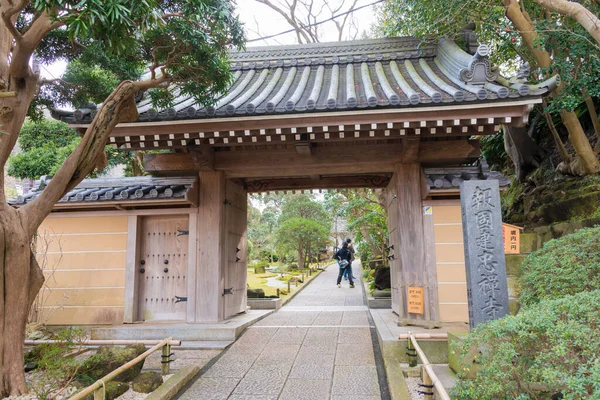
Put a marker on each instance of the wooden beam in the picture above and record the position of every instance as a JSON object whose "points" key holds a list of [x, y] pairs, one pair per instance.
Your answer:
{"points": [[410, 150], [448, 152], [336, 182], [304, 148], [181, 163], [367, 159]]}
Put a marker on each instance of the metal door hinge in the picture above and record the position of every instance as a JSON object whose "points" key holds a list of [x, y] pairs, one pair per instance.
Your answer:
{"points": [[180, 299], [182, 233], [227, 291]]}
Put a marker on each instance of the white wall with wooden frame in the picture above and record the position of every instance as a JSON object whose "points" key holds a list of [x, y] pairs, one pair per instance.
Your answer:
{"points": [[91, 261], [446, 222]]}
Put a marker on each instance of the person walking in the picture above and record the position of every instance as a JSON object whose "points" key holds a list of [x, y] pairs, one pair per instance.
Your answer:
{"points": [[348, 271], [343, 257]]}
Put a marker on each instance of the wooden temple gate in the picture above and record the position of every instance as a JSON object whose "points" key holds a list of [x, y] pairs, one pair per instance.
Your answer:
{"points": [[392, 114]]}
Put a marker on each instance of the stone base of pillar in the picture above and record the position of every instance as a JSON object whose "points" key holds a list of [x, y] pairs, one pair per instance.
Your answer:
{"points": [[420, 323]]}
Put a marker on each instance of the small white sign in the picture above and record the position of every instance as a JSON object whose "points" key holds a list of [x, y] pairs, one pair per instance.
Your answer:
{"points": [[427, 210]]}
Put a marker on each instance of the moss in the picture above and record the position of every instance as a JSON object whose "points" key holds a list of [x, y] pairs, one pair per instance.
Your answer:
{"points": [[147, 382], [511, 201], [107, 359]]}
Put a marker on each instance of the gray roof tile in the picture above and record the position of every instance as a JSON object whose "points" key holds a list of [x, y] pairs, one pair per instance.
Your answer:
{"points": [[391, 72], [144, 188]]}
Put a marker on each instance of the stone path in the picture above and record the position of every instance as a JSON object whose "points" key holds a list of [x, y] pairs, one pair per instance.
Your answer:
{"points": [[318, 346]]}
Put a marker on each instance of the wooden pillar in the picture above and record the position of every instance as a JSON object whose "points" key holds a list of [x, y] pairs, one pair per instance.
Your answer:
{"points": [[235, 250], [131, 270], [210, 236], [410, 267]]}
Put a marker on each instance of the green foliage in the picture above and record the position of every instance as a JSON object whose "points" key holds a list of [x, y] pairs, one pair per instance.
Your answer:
{"points": [[492, 147], [302, 235], [108, 41], [511, 201], [366, 217], [550, 349], [49, 131], [56, 369], [303, 206], [46, 144], [563, 266]]}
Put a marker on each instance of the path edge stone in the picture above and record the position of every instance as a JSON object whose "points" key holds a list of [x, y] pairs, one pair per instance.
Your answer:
{"points": [[172, 386]]}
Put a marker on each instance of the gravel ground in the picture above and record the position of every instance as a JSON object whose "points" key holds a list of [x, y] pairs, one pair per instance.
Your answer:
{"points": [[413, 388]]}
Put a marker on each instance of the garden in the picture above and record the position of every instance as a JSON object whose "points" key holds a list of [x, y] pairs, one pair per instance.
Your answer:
{"points": [[551, 348]]}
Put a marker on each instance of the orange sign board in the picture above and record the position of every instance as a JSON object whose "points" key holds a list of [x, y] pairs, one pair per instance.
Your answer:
{"points": [[512, 239], [415, 300]]}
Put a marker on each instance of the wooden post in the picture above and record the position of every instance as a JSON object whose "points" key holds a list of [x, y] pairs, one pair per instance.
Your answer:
{"points": [[278, 293], [100, 393], [289, 287], [210, 239], [165, 366], [132, 270], [296, 279], [411, 353], [409, 264], [428, 385]]}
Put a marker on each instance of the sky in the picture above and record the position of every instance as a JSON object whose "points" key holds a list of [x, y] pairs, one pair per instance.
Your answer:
{"points": [[260, 21]]}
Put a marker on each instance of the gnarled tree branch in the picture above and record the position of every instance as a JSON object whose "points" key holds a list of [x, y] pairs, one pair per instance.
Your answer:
{"points": [[118, 107]]}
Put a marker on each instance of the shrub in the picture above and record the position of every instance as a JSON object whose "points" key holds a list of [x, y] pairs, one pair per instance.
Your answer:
{"points": [[549, 350], [56, 369], [563, 266]]}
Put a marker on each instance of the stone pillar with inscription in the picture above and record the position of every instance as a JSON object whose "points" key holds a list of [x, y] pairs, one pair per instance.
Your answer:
{"points": [[487, 287]]}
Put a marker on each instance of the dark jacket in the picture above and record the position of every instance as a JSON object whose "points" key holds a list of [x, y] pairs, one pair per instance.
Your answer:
{"points": [[344, 254]]}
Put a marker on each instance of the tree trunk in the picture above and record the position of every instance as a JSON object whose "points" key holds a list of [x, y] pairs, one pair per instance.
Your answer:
{"points": [[20, 280], [586, 161], [301, 256], [594, 116], [20, 277], [564, 154]]}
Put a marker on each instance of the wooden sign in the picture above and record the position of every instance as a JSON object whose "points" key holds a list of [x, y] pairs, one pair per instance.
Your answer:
{"points": [[415, 300], [512, 239]]}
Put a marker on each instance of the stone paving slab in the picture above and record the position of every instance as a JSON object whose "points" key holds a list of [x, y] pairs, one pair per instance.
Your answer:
{"points": [[354, 354], [210, 388], [306, 390], [318, 346], [355, 380]]}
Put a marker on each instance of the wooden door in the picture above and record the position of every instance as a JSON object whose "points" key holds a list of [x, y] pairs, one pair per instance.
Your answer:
{"points": [[235, 250], [162, 268]]}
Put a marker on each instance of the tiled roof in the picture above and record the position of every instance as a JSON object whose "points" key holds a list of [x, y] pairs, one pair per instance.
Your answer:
{"points": [[392, 72], [452, 177], [121, 190]]}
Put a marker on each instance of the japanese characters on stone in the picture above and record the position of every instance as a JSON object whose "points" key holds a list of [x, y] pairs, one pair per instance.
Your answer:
{"points": [[484, 251]]}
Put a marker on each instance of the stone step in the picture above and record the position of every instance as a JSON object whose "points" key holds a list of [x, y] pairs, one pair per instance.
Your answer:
{"points": [[226, 331]]}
